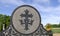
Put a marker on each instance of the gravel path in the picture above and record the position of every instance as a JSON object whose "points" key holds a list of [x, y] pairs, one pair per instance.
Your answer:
{"points": [[56, 34]]}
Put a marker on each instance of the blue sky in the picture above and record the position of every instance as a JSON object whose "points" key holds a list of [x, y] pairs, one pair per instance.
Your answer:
{"points": [[48, 9]]}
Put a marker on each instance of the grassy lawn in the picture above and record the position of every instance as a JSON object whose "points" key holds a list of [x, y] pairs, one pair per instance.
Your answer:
{"points": [[55, 30]]}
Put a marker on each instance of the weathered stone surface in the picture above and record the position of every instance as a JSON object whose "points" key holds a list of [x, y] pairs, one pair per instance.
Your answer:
{"points": [[26, 19]]}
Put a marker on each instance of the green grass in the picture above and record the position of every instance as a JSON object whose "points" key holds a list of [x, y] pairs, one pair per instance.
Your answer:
{"points": [[56, 30]]}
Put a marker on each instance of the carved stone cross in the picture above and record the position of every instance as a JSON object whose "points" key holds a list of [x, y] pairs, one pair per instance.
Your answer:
{"points": [[26, 20]]}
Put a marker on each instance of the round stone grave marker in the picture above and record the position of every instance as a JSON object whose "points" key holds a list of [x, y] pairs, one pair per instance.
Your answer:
{"points": [[25, 19]]}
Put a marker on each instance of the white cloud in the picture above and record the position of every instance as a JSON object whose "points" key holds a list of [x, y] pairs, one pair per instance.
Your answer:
{"points": [[20, 2], [52, 17], [14, 2], [50, 14], [41, 1], [53, 10]]}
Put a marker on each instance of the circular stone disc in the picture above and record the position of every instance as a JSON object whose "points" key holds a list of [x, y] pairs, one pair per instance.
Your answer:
{"points": [[25, 19]]}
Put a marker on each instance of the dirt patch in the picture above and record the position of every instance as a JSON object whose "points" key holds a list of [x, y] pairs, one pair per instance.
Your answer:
{"points": [[56, 34]]}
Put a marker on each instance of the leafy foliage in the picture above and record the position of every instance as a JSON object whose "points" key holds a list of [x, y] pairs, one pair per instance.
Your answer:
{"points": [[54, 25], [4, 19], [48, 27]]}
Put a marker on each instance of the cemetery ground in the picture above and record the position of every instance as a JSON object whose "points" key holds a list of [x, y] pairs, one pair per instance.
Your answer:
{"points": [[56, 31], [56, 34]]}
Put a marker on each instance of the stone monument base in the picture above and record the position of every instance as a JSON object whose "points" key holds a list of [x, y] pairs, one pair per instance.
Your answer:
{"points": [[11, 32]]}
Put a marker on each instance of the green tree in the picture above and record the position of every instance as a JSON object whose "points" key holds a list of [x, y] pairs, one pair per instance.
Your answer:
{"points": [[4, 19]]}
